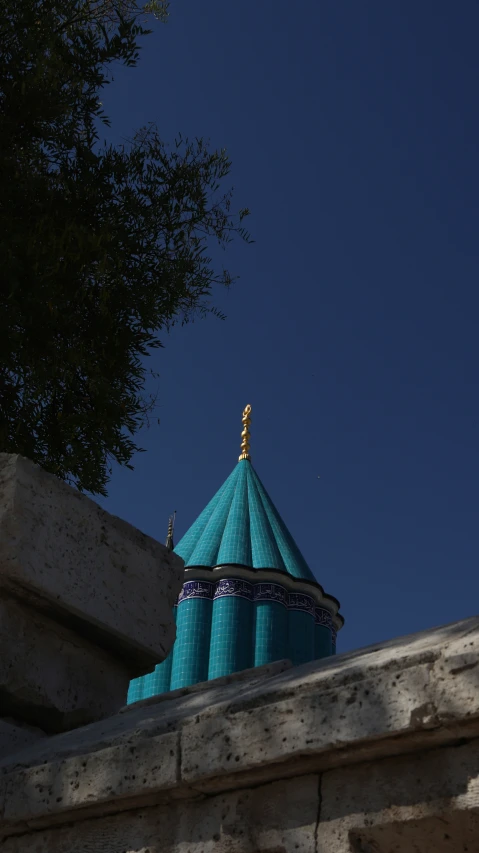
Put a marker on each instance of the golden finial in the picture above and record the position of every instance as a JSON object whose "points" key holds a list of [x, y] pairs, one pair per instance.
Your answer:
{"points": [[245, 434]]}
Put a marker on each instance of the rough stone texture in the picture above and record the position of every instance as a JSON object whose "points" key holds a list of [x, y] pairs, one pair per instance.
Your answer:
{"points": [[456, 833], [425, 802], [51, 677], [98, 778], [86, 601], [85, 567], [14, 737], [420, 689], [374, 752], [271, 819]]}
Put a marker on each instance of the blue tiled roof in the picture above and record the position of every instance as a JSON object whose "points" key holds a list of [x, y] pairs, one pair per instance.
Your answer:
{"points": [[241, 526]]}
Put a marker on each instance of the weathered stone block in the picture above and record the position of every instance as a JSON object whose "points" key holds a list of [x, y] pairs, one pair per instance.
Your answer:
{"points": [[276, 818], [426, 802], [86, 601], [372, 752], [415, 689], [96, 779], [84, 567], [52, 678]]}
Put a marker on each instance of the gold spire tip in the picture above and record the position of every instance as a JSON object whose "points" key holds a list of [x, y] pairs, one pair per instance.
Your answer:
{"points": [[245, 437]]}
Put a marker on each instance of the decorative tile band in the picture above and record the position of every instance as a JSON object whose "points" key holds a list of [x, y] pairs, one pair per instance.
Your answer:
{"points": [[256, 592], [234, 586], [270, 592], [323, 617], [300, 601], [196, 589]]}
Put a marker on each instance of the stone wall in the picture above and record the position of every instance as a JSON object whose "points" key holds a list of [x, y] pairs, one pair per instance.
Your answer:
{"points": [[373, 752], [85, 604]]}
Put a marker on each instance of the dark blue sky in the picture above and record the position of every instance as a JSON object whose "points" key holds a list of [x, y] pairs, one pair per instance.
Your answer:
{"points": [[353, 330]]}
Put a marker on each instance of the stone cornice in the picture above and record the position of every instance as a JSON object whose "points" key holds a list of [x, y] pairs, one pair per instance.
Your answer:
{"points": [[409, 695]]}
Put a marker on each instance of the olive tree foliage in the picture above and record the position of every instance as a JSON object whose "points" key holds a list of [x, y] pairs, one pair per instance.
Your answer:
{"points": [[102, 247]]}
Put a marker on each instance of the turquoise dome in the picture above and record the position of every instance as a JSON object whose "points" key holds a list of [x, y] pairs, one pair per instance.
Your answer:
{"points": [[242, 527], [249, 598]]}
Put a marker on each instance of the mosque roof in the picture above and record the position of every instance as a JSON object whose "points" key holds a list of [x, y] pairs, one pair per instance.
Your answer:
{"points": [[241, 526]]}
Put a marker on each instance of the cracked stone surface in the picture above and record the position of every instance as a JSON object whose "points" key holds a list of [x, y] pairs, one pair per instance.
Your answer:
{"points": [[366, 751], [420, 803], [280, 816]]}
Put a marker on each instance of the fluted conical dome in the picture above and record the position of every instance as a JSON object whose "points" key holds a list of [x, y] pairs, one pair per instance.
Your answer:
{"points": [[242, 527], [249, 597]]}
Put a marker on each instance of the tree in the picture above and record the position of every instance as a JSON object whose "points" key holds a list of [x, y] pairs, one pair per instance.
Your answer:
{"points": [[102, 247]]}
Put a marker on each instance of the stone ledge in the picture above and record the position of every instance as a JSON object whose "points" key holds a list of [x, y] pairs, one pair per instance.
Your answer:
{"points": [[65, 556], [259, 821], [97, 779], [425, 802], [413, 694]]}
